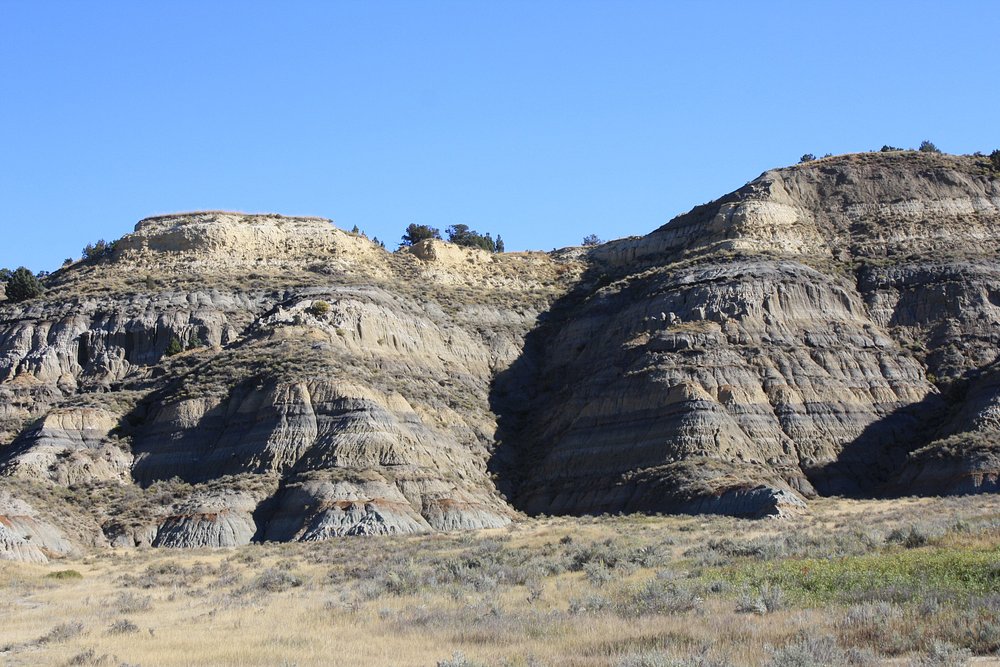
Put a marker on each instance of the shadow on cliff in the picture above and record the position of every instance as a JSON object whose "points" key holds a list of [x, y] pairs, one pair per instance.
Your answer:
{"points": [[867, 467], [938, 416], [514, 392], [870, 466], [867, 464], [183, 457]]}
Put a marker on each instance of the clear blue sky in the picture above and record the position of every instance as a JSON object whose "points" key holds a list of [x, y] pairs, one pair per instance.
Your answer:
{"points": [[539, 120]]}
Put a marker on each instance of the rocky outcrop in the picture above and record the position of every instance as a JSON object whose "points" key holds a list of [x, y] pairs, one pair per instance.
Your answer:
{"points": [[963, 455], [830, 328], [17, 548], [69, 446], [210, 520], [24, 536], [331, 409], [323, 506]]}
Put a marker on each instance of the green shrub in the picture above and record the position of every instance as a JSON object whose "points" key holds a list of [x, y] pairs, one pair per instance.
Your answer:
{"points": [[23, 285], [462, 235], [653, 658], [657, 596], [194, 340], [767, 600], [458, 660], [100, 250], [928, 147], [416, 233], [130, 603], [898, 575], [273, 580], [597, 573], [62, 632], [174, 347], [318, 308], [868, 623], [911, 539], [64, 574], [808, 157], [943, 654], [995, 159], [123, 627], [815, 651]]}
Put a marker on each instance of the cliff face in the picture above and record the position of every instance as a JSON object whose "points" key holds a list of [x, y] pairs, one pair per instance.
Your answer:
{"points": [[829, 328], [814, 331]]}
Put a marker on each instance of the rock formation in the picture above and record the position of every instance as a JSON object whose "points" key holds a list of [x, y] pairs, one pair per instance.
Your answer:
{"points": [[830, 328], [809, 333], [327, 387]]}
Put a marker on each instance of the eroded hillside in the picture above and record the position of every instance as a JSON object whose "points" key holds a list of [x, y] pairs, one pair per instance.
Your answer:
{"points": [[830, 328], [329, 387]]}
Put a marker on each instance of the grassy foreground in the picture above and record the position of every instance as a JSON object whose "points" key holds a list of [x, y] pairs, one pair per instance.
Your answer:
{"points": [[905, 582]]}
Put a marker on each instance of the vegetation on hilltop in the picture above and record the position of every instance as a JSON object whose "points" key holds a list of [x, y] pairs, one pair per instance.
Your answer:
{"points": [[416, 233], [462, 235], [457, 234], [100, 250]]}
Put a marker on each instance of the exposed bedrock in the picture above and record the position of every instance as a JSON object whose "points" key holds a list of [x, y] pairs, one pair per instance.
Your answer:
{"points": [[963, 454], [306, 395], [767, 365], [70, 446], [210, 520], [25, 536]]}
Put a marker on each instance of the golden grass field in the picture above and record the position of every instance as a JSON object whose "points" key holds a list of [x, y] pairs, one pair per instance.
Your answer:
{"points": [[906, 582]]}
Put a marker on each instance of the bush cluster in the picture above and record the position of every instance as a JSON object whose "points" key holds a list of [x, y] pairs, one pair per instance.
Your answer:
{"points": [[174, 347], [416, 233], [100, 250], [457, 234], [462, 235], [318, 308], [21, 284]]}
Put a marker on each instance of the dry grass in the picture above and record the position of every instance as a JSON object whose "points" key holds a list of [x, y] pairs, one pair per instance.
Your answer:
{"points": [[549, 591]]}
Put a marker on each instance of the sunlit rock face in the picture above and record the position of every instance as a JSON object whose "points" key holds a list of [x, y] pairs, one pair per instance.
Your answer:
{"points": [[225, 378]]}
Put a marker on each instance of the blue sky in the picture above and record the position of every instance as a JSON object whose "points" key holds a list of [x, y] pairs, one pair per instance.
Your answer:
{"points": [[542, 121]]}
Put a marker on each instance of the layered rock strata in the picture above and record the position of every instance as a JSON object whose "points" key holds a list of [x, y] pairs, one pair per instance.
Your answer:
{"points": [[337, 389], [806, 331], [830, 328]]}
